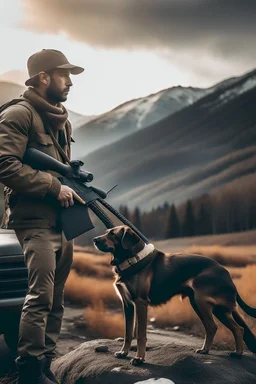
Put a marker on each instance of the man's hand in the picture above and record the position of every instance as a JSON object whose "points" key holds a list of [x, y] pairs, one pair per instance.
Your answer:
{"points": [[67, 195]]}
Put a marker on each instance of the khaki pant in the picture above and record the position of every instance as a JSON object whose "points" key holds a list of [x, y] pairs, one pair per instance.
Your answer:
{"points": [[48, 257]]}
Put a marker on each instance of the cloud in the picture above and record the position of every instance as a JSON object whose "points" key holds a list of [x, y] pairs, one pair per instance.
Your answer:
{"points": [[225, 28]]}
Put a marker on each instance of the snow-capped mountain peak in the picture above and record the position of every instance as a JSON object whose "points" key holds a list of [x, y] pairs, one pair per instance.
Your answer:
{"points": [[134, 115]]}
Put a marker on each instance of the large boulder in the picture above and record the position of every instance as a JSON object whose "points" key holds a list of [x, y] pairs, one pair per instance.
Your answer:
{"points": [[178, 363]]}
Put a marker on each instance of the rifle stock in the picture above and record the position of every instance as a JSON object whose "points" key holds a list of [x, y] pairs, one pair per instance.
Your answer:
{"points": [[75, 219]]}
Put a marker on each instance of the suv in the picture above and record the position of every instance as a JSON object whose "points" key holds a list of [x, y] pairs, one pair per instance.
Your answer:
{"points": [[13, 285]]}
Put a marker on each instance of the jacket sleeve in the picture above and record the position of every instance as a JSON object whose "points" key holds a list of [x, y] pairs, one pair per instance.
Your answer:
{"points": [[15, 123]]}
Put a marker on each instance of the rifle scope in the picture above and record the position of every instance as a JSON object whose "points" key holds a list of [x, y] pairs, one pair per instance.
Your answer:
{"points": [[41, 161]]}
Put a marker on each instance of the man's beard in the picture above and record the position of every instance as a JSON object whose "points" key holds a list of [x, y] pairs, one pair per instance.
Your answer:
{"points": [[55, 96]]}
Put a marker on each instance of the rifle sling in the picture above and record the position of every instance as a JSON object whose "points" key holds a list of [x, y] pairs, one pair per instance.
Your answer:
{"points": [[57, 145], [55, 141]]}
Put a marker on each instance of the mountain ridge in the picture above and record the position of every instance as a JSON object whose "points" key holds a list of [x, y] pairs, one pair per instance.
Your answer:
{"points": [[163, 149], [139, 113]]}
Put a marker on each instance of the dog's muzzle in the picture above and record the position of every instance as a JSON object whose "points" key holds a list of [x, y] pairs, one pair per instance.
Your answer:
{"points": [[96, 240], [102, 245]]}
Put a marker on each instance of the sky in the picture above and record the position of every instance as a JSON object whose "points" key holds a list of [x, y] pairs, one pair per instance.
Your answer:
{"points": [[132, 48]]}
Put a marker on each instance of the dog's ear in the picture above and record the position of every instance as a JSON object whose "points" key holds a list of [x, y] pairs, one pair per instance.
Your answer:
{"points": [[129, 238]]}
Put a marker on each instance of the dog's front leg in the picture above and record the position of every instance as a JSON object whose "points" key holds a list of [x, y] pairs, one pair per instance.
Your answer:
{"points": [[128, 308], [142, 316]]}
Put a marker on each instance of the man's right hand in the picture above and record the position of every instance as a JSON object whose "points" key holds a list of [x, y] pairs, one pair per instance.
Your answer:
{"points": [[67, 195]]}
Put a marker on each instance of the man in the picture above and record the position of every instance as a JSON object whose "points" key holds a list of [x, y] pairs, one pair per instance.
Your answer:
{"points": [[33, 200]]}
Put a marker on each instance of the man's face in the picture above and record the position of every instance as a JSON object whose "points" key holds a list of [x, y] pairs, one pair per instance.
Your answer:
{"points": [[59, 85]]}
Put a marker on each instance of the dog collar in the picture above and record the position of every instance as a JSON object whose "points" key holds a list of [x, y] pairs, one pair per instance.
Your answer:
{"points": [[146, 251]]}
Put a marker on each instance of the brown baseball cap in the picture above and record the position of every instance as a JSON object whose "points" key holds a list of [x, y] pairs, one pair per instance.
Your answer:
{"points": [[46, 60]]}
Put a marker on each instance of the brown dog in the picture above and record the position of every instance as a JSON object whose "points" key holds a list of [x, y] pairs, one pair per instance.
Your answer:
{"points": [[146, 276]]}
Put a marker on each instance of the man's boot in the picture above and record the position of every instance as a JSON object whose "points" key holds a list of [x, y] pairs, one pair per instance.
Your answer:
{"points": [[30, 371], [47, 370]]}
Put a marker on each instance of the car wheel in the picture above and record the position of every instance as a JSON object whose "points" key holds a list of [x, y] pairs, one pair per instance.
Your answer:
{"points": [[11, 340], [11, 332], [7, 357]]}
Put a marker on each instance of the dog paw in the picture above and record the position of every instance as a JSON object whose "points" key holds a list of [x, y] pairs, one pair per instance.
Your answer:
{"points": [[137, 361], [121, 354], [235, 355], [202, 351]]}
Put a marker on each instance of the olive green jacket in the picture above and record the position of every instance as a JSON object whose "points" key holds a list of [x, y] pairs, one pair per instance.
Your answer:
{"points": [[30, 195]]}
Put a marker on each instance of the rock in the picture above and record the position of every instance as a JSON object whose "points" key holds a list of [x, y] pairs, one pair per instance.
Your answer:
{"points": [[82, 337], [179, 365], [119, 339], [155, 381], [102, 348], [118, 369]]}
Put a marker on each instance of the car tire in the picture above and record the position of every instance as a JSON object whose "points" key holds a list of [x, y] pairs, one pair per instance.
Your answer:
{"points": [[11, 340], [7, 358], [11, 332]]}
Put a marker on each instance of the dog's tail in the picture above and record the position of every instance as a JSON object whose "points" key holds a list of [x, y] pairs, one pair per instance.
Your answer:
{"points": [[245, 307], [249, 337]]}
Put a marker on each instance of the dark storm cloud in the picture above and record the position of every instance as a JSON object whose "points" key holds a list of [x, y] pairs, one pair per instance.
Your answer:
{"points": [[223, 27]]}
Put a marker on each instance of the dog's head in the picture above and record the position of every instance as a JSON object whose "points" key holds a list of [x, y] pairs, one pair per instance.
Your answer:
{"points": [[121, 241]]}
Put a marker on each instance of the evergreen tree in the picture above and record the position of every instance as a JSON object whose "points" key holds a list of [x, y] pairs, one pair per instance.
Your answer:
{"points": [[203, 222], [125, 212], [121, 209], [189, 220], [166, 206], [173, 224], [136, 220], [252, 215]]}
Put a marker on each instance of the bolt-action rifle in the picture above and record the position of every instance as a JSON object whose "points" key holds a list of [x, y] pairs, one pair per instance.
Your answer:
{"points": [[75, 219]]}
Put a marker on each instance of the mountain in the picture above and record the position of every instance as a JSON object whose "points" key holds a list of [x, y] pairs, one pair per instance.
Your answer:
{"points": [[135, 115], [10, 90], [14, 76], [202, 147], [77, 119], [130, 117]]}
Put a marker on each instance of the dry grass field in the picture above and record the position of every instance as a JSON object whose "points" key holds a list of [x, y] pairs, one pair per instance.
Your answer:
{"points": [[91, 284]]}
